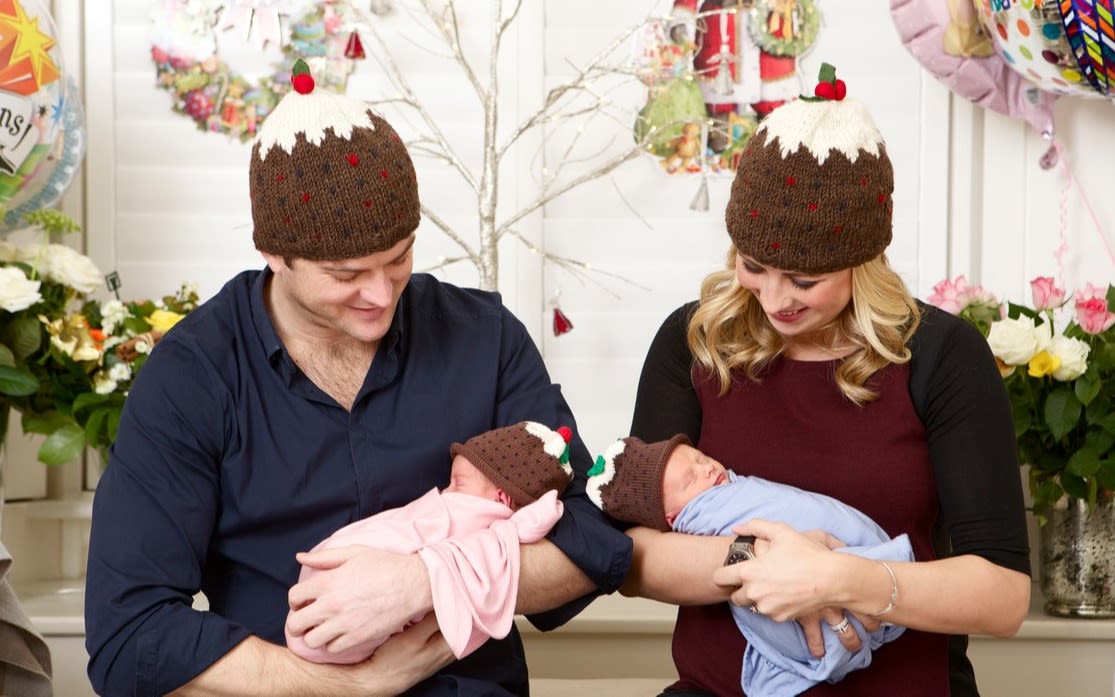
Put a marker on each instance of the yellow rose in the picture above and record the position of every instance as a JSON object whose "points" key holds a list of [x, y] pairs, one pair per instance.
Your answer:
{"points": [[163, 320], [1045, 363]]}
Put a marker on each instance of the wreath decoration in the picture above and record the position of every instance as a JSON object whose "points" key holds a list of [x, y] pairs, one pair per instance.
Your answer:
{"points": [[784, 27], [219, 99]]}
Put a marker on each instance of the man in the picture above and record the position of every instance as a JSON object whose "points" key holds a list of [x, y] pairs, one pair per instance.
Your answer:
{"points": [[320, 390]]}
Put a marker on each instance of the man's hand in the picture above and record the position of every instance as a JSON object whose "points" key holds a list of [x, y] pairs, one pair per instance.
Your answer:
{"points": [[361, 595], [407, 658]]}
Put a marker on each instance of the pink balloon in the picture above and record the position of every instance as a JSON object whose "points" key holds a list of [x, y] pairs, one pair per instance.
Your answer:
{"points": [[945, 37]]}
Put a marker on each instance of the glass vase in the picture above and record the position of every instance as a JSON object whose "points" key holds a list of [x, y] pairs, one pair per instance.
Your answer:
{"points": [[1077, 562]]}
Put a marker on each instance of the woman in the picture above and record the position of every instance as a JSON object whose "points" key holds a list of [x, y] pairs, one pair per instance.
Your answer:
{"points": [[796, 366]]}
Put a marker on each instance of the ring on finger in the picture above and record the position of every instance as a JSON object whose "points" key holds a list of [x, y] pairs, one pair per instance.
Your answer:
{"points": [[841, 626]]}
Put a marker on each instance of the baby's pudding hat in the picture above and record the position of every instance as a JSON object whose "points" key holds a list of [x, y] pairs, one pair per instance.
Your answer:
{"points": [[813, 188], [626, 481], [329, 178], [525, 460]]}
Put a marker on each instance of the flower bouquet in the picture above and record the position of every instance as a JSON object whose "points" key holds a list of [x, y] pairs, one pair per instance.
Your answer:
{"points": [[1057, 359], [67, 362]]}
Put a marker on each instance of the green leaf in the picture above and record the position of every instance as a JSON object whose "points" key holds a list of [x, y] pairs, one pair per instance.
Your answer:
{"points": [[1062, 412], [1107, 423], [113, 423], [63, 445], [1083, 463], [300, 67], [7, 358], [827, 73], [1086, 389], [24, 336], [1074, 486], [17, 382], [1103, 357], [1105, 477], [88, 400], [1014, 311], [1099, 440], [1023, 419], [45, 423], [95, 426]]}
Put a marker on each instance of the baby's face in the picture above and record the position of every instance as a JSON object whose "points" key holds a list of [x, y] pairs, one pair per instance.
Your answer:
{"points": [[688, 472], [466, 479]]}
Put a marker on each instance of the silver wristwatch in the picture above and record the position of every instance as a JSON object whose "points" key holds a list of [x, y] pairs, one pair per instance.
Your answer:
{"points": [[741, 549]]}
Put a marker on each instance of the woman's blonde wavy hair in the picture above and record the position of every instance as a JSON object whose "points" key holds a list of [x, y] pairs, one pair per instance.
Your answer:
{"points": [[729, 331]]}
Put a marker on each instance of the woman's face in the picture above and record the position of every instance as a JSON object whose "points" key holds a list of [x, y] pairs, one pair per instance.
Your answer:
{"points": [[798, 305]]}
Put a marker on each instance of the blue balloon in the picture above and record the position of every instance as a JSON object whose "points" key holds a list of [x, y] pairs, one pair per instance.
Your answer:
{"points": [[59, 171]]}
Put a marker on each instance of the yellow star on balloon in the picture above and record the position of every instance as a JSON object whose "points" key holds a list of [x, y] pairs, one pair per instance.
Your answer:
{"points": [[31, 43]]}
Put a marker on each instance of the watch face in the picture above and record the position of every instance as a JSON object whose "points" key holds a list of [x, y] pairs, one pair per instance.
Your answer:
{"points": [[741, 549]]}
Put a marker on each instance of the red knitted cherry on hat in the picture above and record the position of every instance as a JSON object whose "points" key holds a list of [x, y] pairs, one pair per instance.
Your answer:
{"points": [[828, 86], [300, 78]]}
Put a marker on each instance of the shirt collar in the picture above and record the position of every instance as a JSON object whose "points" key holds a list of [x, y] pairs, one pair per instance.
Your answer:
{"points": [[273, 346]]}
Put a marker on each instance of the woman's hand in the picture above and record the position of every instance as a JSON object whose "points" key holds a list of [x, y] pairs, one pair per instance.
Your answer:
{"points": [[791, 578]]}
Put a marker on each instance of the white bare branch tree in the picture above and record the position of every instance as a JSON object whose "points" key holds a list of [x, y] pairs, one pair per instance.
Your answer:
{"points": [[584, 96]]}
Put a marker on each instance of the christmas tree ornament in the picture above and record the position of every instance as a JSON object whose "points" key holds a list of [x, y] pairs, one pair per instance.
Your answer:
{"points": [[562, 324], [354, 49], [724, 83]]}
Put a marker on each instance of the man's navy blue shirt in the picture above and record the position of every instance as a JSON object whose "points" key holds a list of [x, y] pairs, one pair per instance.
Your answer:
{"points": [[229, 460]]}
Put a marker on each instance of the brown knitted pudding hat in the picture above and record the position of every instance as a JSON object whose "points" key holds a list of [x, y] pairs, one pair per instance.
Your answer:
{"points": [[626, 481], [329, 179], [813, 188], [525, 460]]}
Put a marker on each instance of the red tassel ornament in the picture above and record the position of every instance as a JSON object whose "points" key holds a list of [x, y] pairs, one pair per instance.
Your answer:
{"points": [[354, 49], [562, 324]]}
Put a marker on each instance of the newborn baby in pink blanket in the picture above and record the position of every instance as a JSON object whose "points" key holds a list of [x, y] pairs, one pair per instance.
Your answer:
{"points": [[503, 491]]}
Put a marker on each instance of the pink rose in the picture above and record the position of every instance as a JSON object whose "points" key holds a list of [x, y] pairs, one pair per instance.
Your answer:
{"points": [[1047, 294], [1091, 310], [950, 295], [955, 296]]}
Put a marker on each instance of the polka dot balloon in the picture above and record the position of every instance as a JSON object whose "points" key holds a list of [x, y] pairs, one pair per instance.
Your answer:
{"points": [[1030, 37]]}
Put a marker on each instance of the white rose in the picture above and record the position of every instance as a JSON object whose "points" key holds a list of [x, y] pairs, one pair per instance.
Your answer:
{"points": [[113, 313], [17, 292], [1074, 357], [1016, 341], [72, 268]]}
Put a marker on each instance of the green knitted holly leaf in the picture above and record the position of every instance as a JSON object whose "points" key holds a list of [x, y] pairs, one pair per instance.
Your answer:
{"points": [[827, 73], [597, 467], [300, 68], [564, 459]]}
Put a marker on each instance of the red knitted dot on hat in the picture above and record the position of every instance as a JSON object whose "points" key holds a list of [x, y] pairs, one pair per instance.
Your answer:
{"points": [[882, 198], [863, 181], [286, 219], [790, 181], [317, 236], [812, 206], [352, 159], [837, 229], [776, 245], [367, 203], [383, 174], [754, 213], [280, 177]]}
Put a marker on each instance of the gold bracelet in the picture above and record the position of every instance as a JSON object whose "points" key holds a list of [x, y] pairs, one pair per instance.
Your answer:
{"points": [[893, 592]]}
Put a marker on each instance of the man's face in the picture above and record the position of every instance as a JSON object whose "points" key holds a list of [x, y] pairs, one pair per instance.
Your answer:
{"points": [[348, 297], [688, 472]]}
